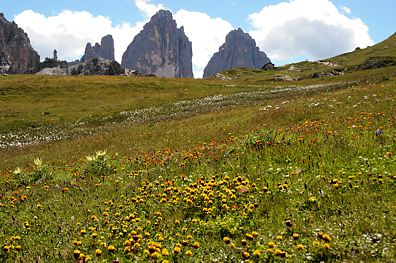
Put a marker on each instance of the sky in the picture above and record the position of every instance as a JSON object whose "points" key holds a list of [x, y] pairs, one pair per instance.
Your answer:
{"points": [[286, 30]]}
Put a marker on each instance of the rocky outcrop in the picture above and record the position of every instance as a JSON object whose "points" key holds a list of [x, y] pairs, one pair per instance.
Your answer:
{"points": [[161, 49], [103, 50], [16, 53], [97, 66], [377, 62], [238, 51]]}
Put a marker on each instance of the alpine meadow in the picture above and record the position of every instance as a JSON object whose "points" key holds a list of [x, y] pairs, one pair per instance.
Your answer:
{"points": [[291, 164]]}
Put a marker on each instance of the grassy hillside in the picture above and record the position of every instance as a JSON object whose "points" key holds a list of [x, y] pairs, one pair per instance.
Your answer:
{"points": [[249, 167]]}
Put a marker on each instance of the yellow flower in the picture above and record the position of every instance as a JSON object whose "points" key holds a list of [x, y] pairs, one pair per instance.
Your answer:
{"points": [[255, 234], [279, 237], [177, 250], [196, 244], [76, 253], [296, 236], [326, 246], [156, 255], [98, 252], [326, 238], [271, 244], [300, 247], [111, 249], [278, 252], [245, 254], [226, 240], [257, 253], [165, 252], [189, 253], [249, 236]]}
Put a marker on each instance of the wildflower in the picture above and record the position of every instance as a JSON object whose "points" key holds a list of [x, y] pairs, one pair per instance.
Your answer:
{"points": [[257, 253], [326, 246], [156, 255], [326, 238], [165, 252], [101, 153], [226, 240], [189, 253], [177, 250], [289, 223], [244, 242], [271, 244], [111, 249], [279, 237], [76, 253], [98, 252], [196, 245], [245, 255], [296, 236], [18, 248], [249, 236], [300, 247], [231, 245], [17, 171], [38, 163]]}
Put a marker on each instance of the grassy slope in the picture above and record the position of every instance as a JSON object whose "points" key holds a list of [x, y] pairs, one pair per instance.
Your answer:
{"points": [[196, 177]]}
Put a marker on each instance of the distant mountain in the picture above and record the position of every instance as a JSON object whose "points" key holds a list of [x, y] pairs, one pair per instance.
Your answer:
{"points": [[238, 51], [103, 50], [160, 48], [16, 53]]}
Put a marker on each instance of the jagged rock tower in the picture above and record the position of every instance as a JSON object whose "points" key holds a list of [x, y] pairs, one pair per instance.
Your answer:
{"points": [[103, 50], [238, 51], [16, 53], [160, 48]]}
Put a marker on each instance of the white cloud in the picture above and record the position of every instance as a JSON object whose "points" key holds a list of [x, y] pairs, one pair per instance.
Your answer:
{"points": [[69, 31], [147, 8], [207, 34], [314, 29], [346, 10]]}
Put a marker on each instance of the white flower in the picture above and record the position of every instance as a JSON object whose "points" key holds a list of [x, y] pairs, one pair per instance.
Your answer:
{"points": [[17, 170], [91, 158], [101, 153], [38, 162]]}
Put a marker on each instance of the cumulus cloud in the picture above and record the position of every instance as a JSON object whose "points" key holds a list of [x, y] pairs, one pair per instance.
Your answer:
{"points": [[314, 29], [346, 10], [69, 31], [148, 9], [206, 36]]}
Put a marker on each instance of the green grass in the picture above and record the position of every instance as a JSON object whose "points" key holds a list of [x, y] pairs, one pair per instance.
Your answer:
{"points": [[247, 169]]}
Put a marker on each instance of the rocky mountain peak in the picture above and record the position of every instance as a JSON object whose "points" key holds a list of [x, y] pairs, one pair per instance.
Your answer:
{"points": [[160, 48], [103, 50], [16, 53], [238, 51]]}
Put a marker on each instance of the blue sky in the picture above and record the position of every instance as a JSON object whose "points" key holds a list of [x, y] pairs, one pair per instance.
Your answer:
{"points": [[287, 30]]}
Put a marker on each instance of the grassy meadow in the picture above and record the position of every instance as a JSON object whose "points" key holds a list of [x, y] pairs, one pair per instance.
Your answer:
{"points": [[248, 168]]}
